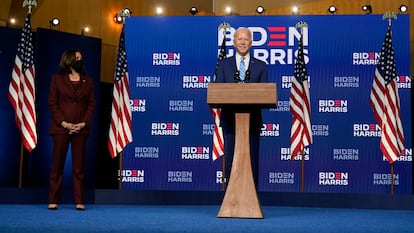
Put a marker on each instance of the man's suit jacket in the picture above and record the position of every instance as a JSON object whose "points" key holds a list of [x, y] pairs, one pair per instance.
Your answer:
{"points": [[225, 73], [69, 104]]}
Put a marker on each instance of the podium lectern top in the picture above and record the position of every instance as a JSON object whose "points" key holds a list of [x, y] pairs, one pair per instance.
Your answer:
{"points": [[242, 93]]}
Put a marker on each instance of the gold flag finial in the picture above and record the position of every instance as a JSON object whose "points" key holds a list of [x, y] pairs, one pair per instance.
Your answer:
{"points": [[30, 4], [301, 25], [390, 16], [124, 13], [224, 26]]}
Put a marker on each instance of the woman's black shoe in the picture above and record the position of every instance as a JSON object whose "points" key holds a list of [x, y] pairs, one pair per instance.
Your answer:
{"points": [[52, 206], [80, 207]]}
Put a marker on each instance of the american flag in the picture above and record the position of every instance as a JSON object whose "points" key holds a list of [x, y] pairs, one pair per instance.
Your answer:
{"points": [[120, 130], [218, 140], [22, 88], [301, 134], [385, 102]]}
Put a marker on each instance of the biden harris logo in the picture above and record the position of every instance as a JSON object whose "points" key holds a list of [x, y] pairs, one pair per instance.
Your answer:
{"points": [[274, 44], [147, 152], [346, 82], [165, 129], [347, 154], [320, 130], [281, 178], [131, 176], [166, 59], [270, 130], [220, 179], [406, 156], [404, 82], [208, 129], [195, 152], [181, 106], [196, 81], [137, 105], [285, 154], [367, 130], [331, 106], [333, 178], [288, 79], [365, 58], [282, 106], [148, 81], [385, 179], [180, 177]]}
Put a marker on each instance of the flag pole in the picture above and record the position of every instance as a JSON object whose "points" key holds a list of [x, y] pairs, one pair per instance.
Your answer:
{"points": [[390, 16], [124, 13], [392, 178], [21, 166], [120, 171], [223, 170], [29, 4], [301, 25], [224, 26], [303, 170]]}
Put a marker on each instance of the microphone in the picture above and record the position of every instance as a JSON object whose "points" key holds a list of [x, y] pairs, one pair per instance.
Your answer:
{"points": [[247, 76], [237, 77]]}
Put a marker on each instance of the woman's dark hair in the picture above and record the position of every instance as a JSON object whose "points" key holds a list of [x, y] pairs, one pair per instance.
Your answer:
{"points": [[67, 59]]}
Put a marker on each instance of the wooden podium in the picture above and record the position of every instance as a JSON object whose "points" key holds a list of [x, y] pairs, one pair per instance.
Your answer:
{"points": [[240, 199]]}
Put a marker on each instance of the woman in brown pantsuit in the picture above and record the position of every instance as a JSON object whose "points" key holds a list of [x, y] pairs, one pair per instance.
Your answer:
{"points": [[71, 102]]}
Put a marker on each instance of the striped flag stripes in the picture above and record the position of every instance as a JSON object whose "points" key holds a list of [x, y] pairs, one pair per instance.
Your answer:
{"points": [[385, 102], [120, 130], [22, 88], [301, 133], [218, 140]]}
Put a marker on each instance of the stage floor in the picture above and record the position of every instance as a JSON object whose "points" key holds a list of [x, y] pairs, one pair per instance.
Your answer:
{"points": [[198, 218]]}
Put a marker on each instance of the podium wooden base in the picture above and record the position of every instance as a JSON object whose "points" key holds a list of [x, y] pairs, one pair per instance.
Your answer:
{"points": [[240, 199]]}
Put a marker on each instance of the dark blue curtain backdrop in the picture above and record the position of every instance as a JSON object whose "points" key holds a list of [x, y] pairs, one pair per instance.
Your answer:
{"points": [[9, 133], [48, 45], [172, 60]]}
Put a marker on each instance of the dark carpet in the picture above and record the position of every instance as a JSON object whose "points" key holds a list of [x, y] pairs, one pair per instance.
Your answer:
{"points": [[196, 218]]}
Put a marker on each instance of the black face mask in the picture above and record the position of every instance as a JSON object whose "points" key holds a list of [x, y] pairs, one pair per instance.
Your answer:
{"points": [[78, 66]]}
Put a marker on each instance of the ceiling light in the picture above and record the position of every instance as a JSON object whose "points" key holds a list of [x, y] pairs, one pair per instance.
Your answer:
{"points": [[118, 19], [159, 10], [228, 10], [332, 9], [260, 10], [403, 9], [54, 22], [367, 9], [193, 10], [295, 9], [85, 30]]}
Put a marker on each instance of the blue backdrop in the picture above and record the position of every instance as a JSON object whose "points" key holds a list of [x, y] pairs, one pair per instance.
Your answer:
{"points": [[9, 135], [172, 59]]}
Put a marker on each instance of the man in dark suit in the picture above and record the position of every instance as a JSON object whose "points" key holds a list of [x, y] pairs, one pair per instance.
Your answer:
{"points": [[241, 68]]}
